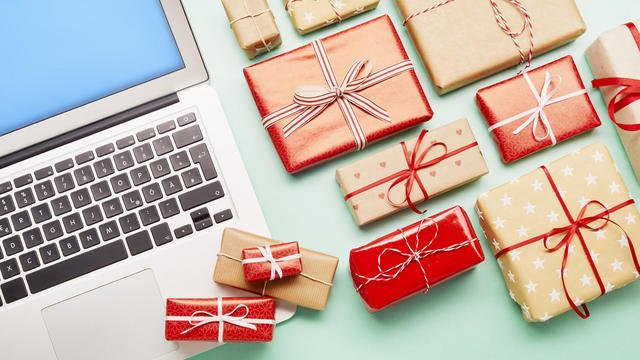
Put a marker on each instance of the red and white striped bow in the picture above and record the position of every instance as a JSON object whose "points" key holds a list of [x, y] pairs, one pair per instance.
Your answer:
{"points": [[311, 101]]}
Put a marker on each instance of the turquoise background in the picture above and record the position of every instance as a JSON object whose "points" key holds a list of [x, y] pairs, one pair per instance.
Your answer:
{"points": [[470, 316]]}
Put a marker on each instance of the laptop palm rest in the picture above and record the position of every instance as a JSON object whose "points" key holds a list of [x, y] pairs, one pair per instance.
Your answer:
{"points": [[120, 320]]}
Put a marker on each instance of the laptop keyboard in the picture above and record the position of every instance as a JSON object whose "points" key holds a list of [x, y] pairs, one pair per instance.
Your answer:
{"points": [[105, 205]]}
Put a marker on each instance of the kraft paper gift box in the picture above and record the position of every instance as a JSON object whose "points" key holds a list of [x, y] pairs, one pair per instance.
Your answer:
{"points": [[461, 41], [445, 158], [310, 15], [537, 109], [310, 288], [557, 213], [225, 319], [444, 245], [269, 262], [615, 62], [335, 95], [254, 25]]}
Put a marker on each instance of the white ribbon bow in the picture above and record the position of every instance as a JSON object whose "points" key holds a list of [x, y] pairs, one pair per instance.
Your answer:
{"points": [[267, 255], [537, 114]]}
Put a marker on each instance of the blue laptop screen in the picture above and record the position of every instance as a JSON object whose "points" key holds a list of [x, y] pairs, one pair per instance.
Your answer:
{"points": [[56, 55]]}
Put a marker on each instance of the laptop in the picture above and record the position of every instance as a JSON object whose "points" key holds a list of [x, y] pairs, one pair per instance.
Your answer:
{"points": [[118, 174]]}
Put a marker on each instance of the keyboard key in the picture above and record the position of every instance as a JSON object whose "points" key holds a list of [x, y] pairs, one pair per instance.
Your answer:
{"points": [[13, 290], [186, 119], [80, 198], [43, 173], [32, 238], [5, 187], [105, 150], [63, 165], [139, 242], [92, 215], [123, 160], [24, 197], [179, 161], [100, 190], [9, 268], [23, 180], [120, 183], [6, 205], [129, 223], [183, 231], [166, 127], [124, 142], [64, 182], [200, 155], [41, 213], [201, 195], [132, 200], [168, 208], [21, 220], [73, 267], [109, 230], [29, 261], [84, 175], [103, 167], [143, 153], [162, 145], [112, 208], [161, 234], [201, 219], [171, 185], [12, 245], [89, 238], [52, 230], [5, 228], [44, 190], [152, 192], [140, 175], [223, 215], [160, 168], [49, 253], [145, 134], [72, 223], [69, 246], [187, 136], [149, 215], [84, 157], [191, 177], [60, 205]]}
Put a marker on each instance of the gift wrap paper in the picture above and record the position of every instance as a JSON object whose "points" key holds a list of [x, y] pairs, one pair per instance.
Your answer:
{"points": [[250, 32], [460, 42], [261, 271], [309, 15], [449, 173], [616, 54], [528, 207], [298, 289]]}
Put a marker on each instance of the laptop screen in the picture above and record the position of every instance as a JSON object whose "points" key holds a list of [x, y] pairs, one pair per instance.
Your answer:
{"points": [[61, 54]]}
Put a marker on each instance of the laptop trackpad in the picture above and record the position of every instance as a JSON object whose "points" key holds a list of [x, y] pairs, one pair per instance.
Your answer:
{"points": [[120, 320]]}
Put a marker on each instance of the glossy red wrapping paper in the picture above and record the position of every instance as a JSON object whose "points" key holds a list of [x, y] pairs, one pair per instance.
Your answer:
{"points": [[261, 271], [513, 96], [273, 83], [258, 308], [453, 227]]}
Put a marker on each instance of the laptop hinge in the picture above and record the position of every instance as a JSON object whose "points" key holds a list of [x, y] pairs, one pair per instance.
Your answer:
{"points": [[88, 130]]}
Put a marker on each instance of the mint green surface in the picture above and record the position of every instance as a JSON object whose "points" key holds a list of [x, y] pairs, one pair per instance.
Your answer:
{"points": [[470, 316]]}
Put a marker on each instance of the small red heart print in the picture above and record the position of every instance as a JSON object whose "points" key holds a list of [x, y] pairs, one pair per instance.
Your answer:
{"points": [[355, 207], [356, 175], [459, 131], [432, 173], [381, 195], [383, 164], [458, 162]]}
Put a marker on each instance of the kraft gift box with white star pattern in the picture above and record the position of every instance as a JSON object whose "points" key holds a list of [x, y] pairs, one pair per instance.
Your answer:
{"points": [[310, 15], [529, 207]]}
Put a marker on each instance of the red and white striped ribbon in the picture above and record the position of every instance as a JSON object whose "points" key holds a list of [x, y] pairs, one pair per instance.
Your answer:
{"points": [[311, 101], [502, 23], [288, 7]]}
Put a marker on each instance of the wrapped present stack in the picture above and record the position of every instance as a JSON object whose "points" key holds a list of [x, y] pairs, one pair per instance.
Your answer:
{"points": [[254, 26], [309, 15]]}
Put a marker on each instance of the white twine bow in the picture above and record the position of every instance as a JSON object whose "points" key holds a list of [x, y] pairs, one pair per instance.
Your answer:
{"points": [[537, 114], [201, 318], [267, 256]]}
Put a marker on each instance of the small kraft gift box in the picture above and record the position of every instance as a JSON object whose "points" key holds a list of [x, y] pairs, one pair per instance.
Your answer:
{"points": [[337, 94], [411, 260], [412, 171], [563, 234], [254, 26], [537, 109], [310, 15]]}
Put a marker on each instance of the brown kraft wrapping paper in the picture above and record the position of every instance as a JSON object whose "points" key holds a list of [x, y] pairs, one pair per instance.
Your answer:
{"points": [[254, 26], [310, 289], [310, 15]]}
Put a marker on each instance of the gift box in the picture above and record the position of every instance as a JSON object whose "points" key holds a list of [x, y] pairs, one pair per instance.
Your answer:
{"points": [[414, 258], [310, 288], [615, 62], [563, 234], [337, 94], [410, 172], [254, 25], [461, 41], [269, 262], [309, 15], [231, 319], [537, 109]]}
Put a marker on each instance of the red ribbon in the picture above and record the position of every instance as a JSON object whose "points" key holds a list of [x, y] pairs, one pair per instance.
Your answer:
{"points": [[573, 229], [410, 174], [630, 91]]}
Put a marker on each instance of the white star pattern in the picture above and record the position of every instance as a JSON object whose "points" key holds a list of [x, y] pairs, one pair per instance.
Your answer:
{"points": [[565, 272], [515, 254], [615, 166], [608, 287], [586, 280], [555, 295], [530, 208], [545, 317], [359, 10], [552, 216], [616, 265], [614, 187], [515, 181], [591, 179], [567, 171], [531, 286], [594, 255], [538, 263], [484, 195], [536, 185], [562, 193], [583, 201], [499, 223], [578, 301], [598, 157], [511, 276], [309, 16], [480, 214], [572, 249], [512, 295], [601, 234], [623, 242], [525, 311], [338, 4], [631, 219], [499, 263], [637, 274], [495, 245], [522, 231], [506, 200]]}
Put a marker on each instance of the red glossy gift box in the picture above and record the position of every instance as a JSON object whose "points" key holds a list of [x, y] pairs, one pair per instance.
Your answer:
{"points": [[271, 262], [335, 95], [537, 109], [232, 319], [412, 259]]}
